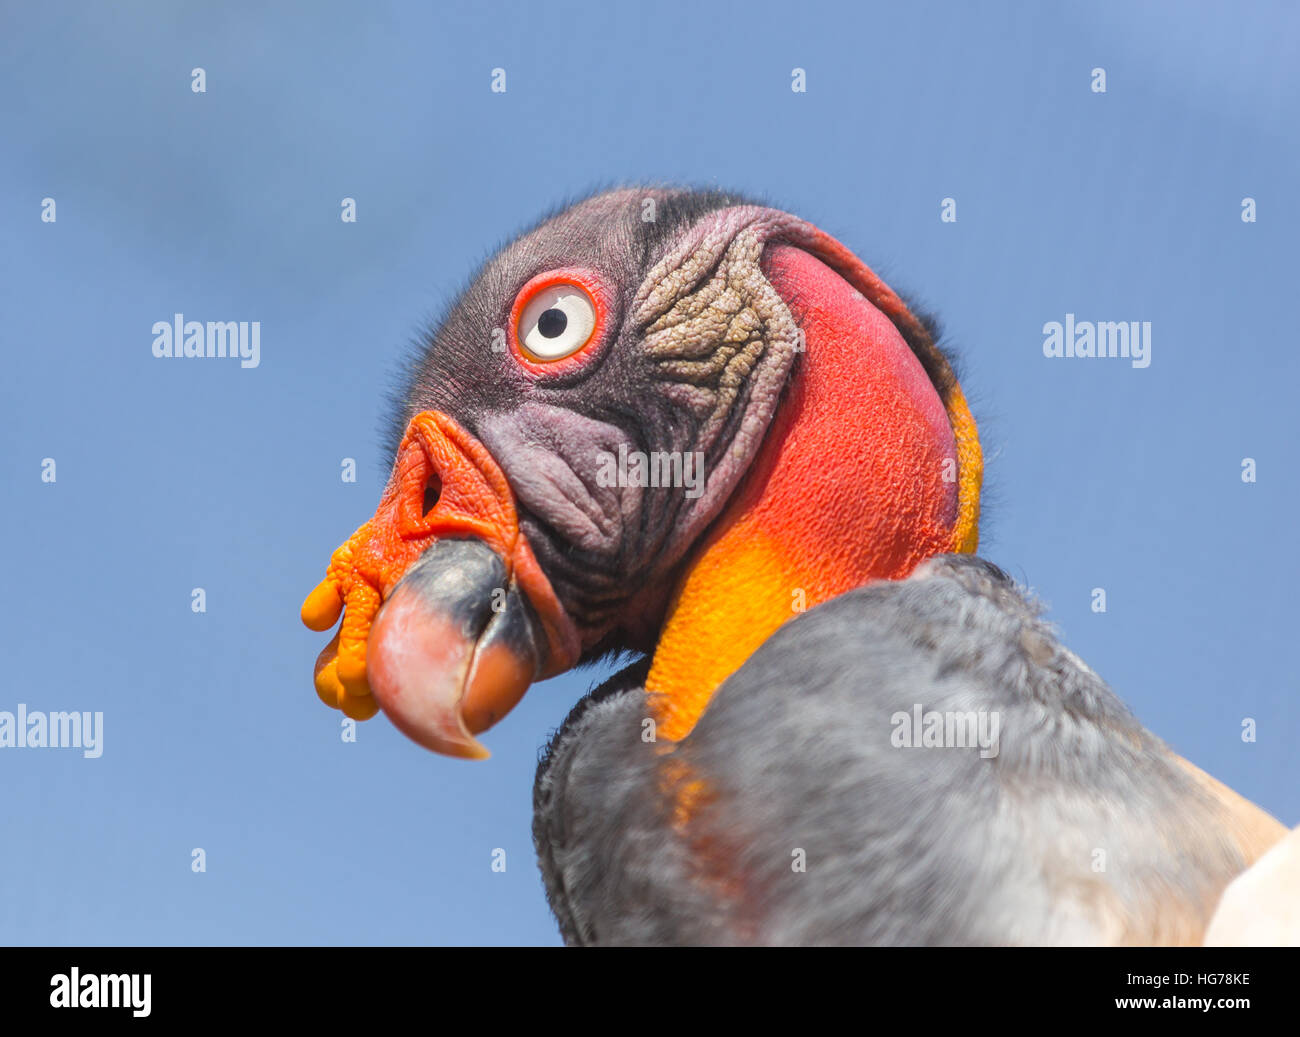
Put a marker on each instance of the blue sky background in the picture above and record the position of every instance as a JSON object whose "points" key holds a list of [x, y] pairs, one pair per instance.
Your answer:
{"points": [[225, 205]]}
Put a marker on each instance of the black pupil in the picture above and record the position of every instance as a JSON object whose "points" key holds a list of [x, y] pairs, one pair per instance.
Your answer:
{"points": [[552, 323]]}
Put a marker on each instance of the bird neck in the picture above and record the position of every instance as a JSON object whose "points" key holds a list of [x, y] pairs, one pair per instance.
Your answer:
{"points": [[857, 480]]}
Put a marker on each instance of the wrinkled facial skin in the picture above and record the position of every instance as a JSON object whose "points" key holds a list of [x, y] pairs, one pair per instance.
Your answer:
{"points": [[587, 410], [695, 350]]}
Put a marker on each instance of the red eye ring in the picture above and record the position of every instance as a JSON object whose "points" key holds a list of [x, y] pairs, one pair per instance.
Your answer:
{"points": [[600, 296]]}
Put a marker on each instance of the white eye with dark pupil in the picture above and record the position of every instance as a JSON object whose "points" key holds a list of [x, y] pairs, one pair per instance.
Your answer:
{"points": [[557, 322]]}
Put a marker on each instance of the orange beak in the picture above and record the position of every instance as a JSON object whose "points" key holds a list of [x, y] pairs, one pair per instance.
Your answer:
{"points": [[447, 617]]}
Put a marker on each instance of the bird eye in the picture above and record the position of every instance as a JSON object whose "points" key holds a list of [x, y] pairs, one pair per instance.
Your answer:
{"points": [[556, 322]]}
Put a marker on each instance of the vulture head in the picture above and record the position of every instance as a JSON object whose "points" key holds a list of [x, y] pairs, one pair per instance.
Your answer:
{"points": [[663, 421]]}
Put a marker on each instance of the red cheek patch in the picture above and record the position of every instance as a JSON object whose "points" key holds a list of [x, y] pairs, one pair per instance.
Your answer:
{"points": [[857, 480], [862, 414]]}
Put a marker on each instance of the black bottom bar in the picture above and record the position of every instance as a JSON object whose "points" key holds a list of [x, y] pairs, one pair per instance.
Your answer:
{"points": [[446, 985]]}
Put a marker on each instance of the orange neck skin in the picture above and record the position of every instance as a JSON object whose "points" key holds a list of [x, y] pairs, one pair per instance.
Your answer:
{"points": [[856, 481]]}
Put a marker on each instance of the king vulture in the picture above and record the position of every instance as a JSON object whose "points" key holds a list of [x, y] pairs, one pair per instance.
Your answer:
{"points": [[687, 426]]}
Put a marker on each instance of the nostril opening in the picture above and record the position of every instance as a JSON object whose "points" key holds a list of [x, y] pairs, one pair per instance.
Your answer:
{"points": [[431, 494]]}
